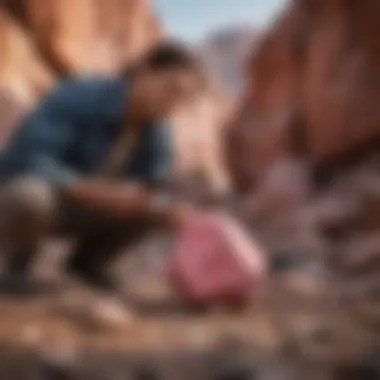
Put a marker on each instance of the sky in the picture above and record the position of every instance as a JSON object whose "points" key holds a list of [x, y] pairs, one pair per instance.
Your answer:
{"points": [[193, 20]]}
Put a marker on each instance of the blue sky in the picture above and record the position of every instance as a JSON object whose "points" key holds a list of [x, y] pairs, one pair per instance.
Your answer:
{"points": [[192, 20]]}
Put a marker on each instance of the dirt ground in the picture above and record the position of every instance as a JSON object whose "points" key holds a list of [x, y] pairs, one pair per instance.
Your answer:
{"points": [[296, 328]]}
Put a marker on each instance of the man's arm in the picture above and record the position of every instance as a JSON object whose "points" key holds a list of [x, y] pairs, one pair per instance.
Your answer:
{"points": [[153, 163], [128, 199], [144, 195], [118, 198], [45, 138]]}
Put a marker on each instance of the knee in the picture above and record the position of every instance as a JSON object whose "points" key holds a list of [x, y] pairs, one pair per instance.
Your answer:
{"points": [[29, 197]]}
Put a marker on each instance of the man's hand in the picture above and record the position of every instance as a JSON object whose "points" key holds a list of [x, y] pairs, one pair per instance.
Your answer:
{"points": [[179, 213], [170, 211], [116, 198], [129, 200]]}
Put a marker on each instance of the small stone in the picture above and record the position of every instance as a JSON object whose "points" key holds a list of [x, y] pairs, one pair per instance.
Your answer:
{"points": [[31, 335], [60, 354], [97, 312], [110, 314]]}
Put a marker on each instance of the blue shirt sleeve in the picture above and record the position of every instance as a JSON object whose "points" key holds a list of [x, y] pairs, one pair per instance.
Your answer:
{"points": [[153, 162], [45, 137], [160, 160]]}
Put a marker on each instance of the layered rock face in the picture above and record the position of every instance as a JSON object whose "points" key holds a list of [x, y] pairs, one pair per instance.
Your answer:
{"points": [[313, 83], [90, 35], [304, 143], [40, 43]]}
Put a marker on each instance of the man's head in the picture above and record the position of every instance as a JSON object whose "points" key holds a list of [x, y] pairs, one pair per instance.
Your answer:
{"points": [[166, 77]]}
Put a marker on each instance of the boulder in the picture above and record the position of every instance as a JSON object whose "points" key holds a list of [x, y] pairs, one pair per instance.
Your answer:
{"points": [[313, 87], [91, 35], [22, 70], [11, 111]]}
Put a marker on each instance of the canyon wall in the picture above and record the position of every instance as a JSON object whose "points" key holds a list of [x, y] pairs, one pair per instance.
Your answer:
{"points": [[313, 86], [40, 43], [304, 143]]}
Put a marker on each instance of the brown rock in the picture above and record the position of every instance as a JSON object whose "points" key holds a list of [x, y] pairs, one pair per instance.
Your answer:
{"points": [[314, 85], [313, 89], [283, 188], [91, 35], [360, 255], [100, 313], [341, 83], [11, 112], [22, 71]]}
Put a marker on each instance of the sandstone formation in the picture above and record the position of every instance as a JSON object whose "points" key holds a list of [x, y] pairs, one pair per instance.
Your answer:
{"points": [[87, 35], [313, 83], [304, 146], [23, 73], [40, 43], [91, 35]]}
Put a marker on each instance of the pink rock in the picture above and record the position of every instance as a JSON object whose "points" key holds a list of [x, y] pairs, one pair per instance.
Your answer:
{"points": [[215, 260]]}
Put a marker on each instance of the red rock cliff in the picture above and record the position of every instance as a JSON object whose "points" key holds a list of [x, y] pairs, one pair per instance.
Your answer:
{"points": [[305, 141], [314, 86], [39, 43]]}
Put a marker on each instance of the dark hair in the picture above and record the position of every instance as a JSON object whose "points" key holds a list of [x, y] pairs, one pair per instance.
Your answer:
{"points": [[167, 55]]}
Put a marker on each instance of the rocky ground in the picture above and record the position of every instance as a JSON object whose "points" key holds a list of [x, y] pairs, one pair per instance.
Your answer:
{"points": [[297, 327]]}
